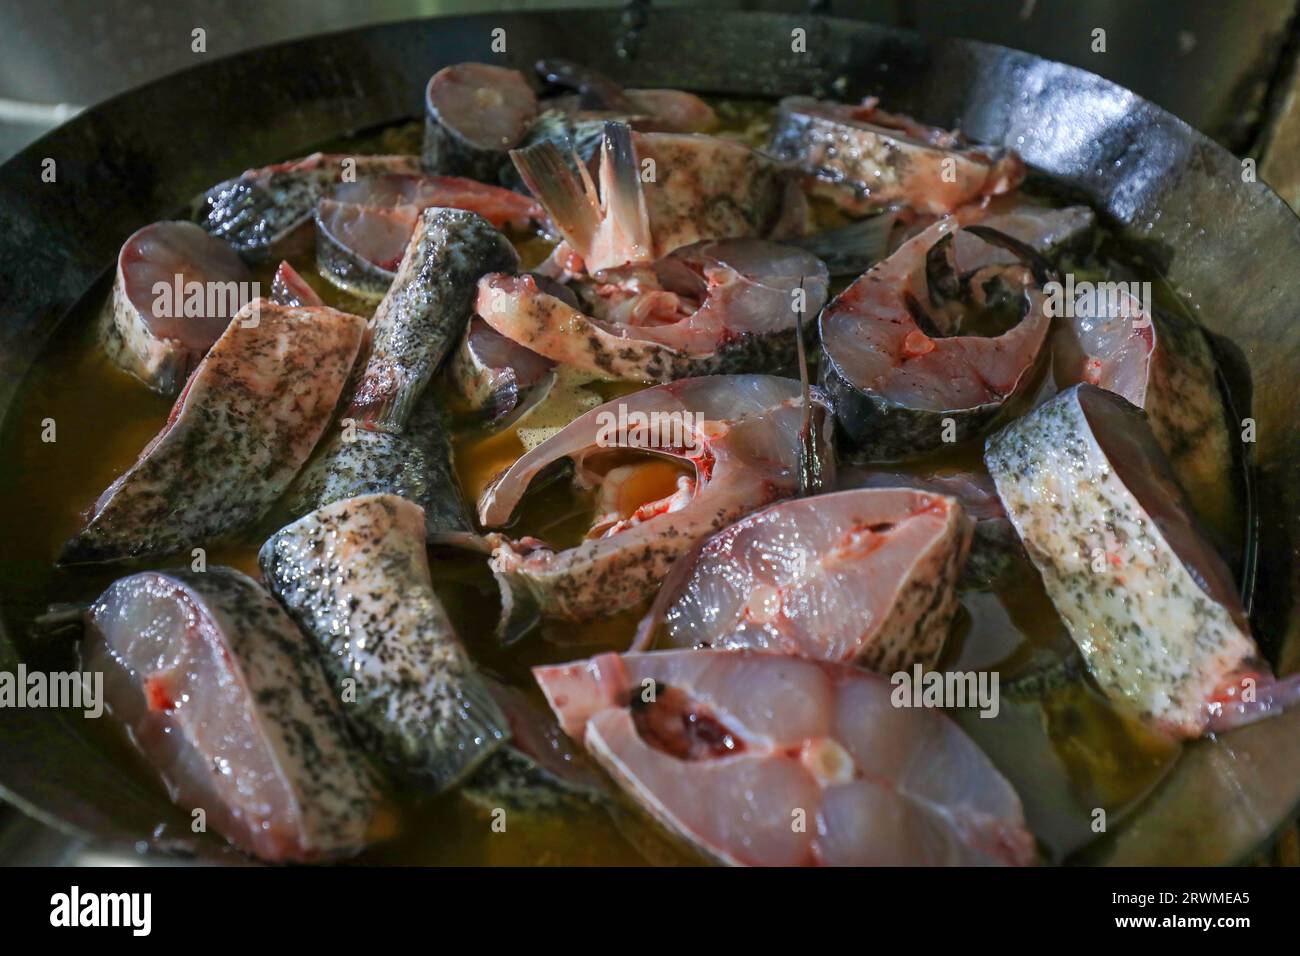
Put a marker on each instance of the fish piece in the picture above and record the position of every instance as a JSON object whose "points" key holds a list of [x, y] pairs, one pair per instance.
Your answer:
{"points": [[262, 212], [495, 374], [474, 113], [739, 437], [363, 228], [355, 575], [659, 192], [906, 356], [224, 697], [245, 423], [174, 292], [733, 750], [865, 576], [415, 464], [995, 547], [1162, 363], [425, 311], [853, 249], [289, 288], [1152, 606], [864, 159], [714, 307], [669, 111], [538, 769]]}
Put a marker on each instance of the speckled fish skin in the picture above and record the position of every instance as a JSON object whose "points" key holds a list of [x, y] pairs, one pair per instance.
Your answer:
{"points": [[426, 310], [159, 348], [415, 464], [1161, 626], [539, 769], [745, 455], [866, 576], [864, 159], [247, 420], [224, 695], [259, 212], [995, 547], [355, 575], [722, 307], [726, 749], [894, 387]]}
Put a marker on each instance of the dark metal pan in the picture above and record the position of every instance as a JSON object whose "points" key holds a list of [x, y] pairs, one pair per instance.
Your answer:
{"points": [[1229, 244]]}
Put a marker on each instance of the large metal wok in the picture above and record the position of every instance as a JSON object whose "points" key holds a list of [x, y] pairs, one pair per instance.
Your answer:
{"points": [[1229, 243]]}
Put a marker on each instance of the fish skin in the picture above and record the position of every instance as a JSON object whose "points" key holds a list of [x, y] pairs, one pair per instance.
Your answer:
{"points": [[863, 166], [355, 576], [426, 310], [163, 356], [785, 579], [494, 374], [539, 769], [259, 212], [1153, 637], [750, 460], [889, 785], [247, 420], [329, 786], [415, 464]]}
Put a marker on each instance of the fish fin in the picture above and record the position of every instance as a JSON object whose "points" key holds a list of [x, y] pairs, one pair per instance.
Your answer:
{"points": [[623, 197], [571, 203]]}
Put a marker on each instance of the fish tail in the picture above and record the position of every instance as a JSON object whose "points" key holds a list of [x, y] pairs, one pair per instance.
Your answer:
{"points": [[571, 204]]}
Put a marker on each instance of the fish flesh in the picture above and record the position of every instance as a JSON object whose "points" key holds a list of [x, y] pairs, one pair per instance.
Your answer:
{"points": [[659, 192], [864, 159], [902, 372], [474, 113], [355, 575], [174, 292], [495, 375], [225, 698], [289, 288], [767, 760], [426, 311], [866, 576], [714, 307], [247, 420], [995, 548], [738, 436], [538, 769], [1148, 600], [263, 212], [363, 228]]}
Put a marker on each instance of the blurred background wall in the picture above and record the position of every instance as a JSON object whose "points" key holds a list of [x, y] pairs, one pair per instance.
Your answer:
{"points": [[1225, 66]]}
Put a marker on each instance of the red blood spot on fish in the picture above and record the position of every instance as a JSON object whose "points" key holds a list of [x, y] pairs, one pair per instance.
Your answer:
{"points": [[157, 694], [679, 727]]}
